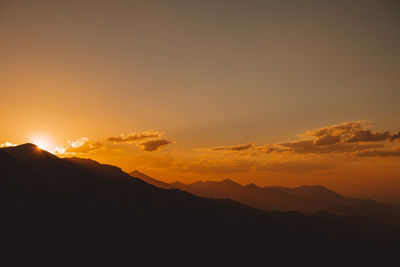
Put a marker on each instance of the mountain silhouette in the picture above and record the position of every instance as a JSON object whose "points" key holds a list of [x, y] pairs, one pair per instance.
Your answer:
{"points": [[306, 199], [50, 203]]}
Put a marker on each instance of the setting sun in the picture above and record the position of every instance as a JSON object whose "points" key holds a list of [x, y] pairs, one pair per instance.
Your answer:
{"points": [[42, 142]]}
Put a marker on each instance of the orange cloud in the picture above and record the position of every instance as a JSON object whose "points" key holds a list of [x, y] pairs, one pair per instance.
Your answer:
{"points": [[7, 144], [346, 138], [339, 129], [134, 137], [154, 145], [229, 148], [395, 136], [349, 137], [79, 146], [348, 132], [309, 147], [368, 136]]}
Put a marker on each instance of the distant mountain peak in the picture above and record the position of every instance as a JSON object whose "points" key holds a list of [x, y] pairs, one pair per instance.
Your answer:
{"points": [[228, 181], [252, 186], [316, 190]]}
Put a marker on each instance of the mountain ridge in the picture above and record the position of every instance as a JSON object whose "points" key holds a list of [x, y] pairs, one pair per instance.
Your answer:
{"points": [[307, 199], [51, 203]]}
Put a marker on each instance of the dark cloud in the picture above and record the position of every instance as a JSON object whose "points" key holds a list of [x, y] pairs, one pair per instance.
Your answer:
{"points": [[349, 137], [134, 137], [395, 136], [270, 149], [368, 136], [339, 129], [349, 132], [346, 138], [154, 145], [231, 148], [327, 140]]}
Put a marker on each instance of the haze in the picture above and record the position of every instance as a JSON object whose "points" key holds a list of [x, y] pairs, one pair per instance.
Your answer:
{"points": [[269, 92]]}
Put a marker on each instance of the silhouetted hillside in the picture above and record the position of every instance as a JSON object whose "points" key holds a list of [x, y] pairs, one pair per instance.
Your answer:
{"points": [[306, 199], [78, 204]]}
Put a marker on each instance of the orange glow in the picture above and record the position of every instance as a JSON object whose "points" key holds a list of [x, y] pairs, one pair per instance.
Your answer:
{"points": [[42, 142], [255, 94]]}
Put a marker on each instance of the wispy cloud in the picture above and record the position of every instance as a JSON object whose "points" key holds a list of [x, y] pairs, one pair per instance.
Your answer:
{"points": [[309, 147], [229, 148], [134, 137]]}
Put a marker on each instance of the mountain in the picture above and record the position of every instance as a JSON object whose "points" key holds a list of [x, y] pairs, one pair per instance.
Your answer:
{"points": [[306, 199], [50, 204]]}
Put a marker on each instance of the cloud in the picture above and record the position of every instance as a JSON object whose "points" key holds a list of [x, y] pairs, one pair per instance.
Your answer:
{"points": [[309, 147], [327, 140], [154, 145], [150, 140], [395, 136], [269, 149], [339, 129], [345, 138], [230, 148], [348, 137], [368, 136], [79, 146], [348, 132], [6, 144], [134, 137]]}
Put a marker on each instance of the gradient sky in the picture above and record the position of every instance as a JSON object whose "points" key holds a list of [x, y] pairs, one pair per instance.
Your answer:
{"points": [[197, 90]]}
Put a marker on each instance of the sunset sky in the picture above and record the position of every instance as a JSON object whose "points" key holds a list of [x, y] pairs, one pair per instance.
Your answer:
{"points": [[270, 92]]}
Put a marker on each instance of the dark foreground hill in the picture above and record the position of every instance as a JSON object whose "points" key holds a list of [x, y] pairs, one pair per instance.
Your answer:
{"points": [[70, 204], [306, 199]]}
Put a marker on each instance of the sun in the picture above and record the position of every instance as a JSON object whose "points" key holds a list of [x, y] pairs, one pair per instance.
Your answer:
{"points": [[42, 142]]}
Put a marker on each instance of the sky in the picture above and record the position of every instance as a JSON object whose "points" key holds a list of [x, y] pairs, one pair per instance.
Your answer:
{"points": [[270, 92]]}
